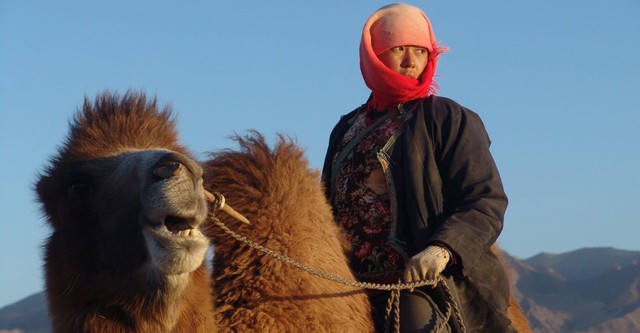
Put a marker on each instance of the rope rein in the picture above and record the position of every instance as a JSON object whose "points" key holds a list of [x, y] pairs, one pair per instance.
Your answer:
{"points": [[393, 303]]}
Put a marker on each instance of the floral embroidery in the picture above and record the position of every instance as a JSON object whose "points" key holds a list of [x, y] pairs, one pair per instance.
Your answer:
{"points": [[362, 199]]}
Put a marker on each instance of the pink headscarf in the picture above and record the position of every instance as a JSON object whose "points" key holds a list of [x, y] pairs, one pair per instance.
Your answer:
{"points": [[390, 26]]}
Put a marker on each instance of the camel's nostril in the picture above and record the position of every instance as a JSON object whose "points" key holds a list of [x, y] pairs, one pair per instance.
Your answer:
{"points": [[167, 169]]}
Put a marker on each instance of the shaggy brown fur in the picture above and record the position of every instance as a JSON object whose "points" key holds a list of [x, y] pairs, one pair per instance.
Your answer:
{"points": [[517, 316], [515, 312], [283, 199], [124, 201]]}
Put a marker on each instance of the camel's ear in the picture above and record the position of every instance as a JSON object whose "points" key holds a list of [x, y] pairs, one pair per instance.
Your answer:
{"points": [[49, 195]]}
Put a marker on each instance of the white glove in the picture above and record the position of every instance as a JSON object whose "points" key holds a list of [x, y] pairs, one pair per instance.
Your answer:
{"points": [[427, 264]]}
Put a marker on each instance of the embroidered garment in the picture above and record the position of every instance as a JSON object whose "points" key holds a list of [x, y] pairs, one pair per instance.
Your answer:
{"points": [[362, 199]]}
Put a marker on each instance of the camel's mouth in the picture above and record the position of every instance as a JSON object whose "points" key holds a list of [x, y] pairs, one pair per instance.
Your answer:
{"points": [[176, 244], [181, 226], [175, 226]]}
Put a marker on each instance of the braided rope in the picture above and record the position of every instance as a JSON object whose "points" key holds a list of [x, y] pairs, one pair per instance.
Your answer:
{"points": [[393, 304]]}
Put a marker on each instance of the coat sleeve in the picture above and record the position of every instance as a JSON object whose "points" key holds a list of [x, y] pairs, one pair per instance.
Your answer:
{"points": [[473, 196]]}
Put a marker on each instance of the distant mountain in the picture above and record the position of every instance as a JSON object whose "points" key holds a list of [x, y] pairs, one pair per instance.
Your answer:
{"points": [[588, 290], [591, 290], [26, 316]]}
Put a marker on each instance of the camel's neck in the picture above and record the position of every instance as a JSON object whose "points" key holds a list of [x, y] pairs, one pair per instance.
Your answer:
{"points": [[158, 306]]}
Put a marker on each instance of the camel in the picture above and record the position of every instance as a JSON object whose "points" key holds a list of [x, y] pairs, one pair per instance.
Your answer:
{"points": [[125, 201], [282, 197]]}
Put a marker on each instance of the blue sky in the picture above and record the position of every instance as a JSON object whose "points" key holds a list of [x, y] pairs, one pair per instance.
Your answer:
{"points": [[557, 84]]}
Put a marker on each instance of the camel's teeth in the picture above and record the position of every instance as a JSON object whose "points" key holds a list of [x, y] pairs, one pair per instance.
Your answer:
{"points": [[185, 233]]}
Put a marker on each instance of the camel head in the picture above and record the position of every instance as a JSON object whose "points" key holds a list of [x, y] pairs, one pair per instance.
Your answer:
{"points": [[122, 196]]}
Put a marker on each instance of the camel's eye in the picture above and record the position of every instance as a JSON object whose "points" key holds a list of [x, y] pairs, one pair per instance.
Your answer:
{"points": [[80, 191]]}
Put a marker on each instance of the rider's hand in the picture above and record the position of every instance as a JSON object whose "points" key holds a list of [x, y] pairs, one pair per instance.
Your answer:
{"points": [[427, 264]]}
